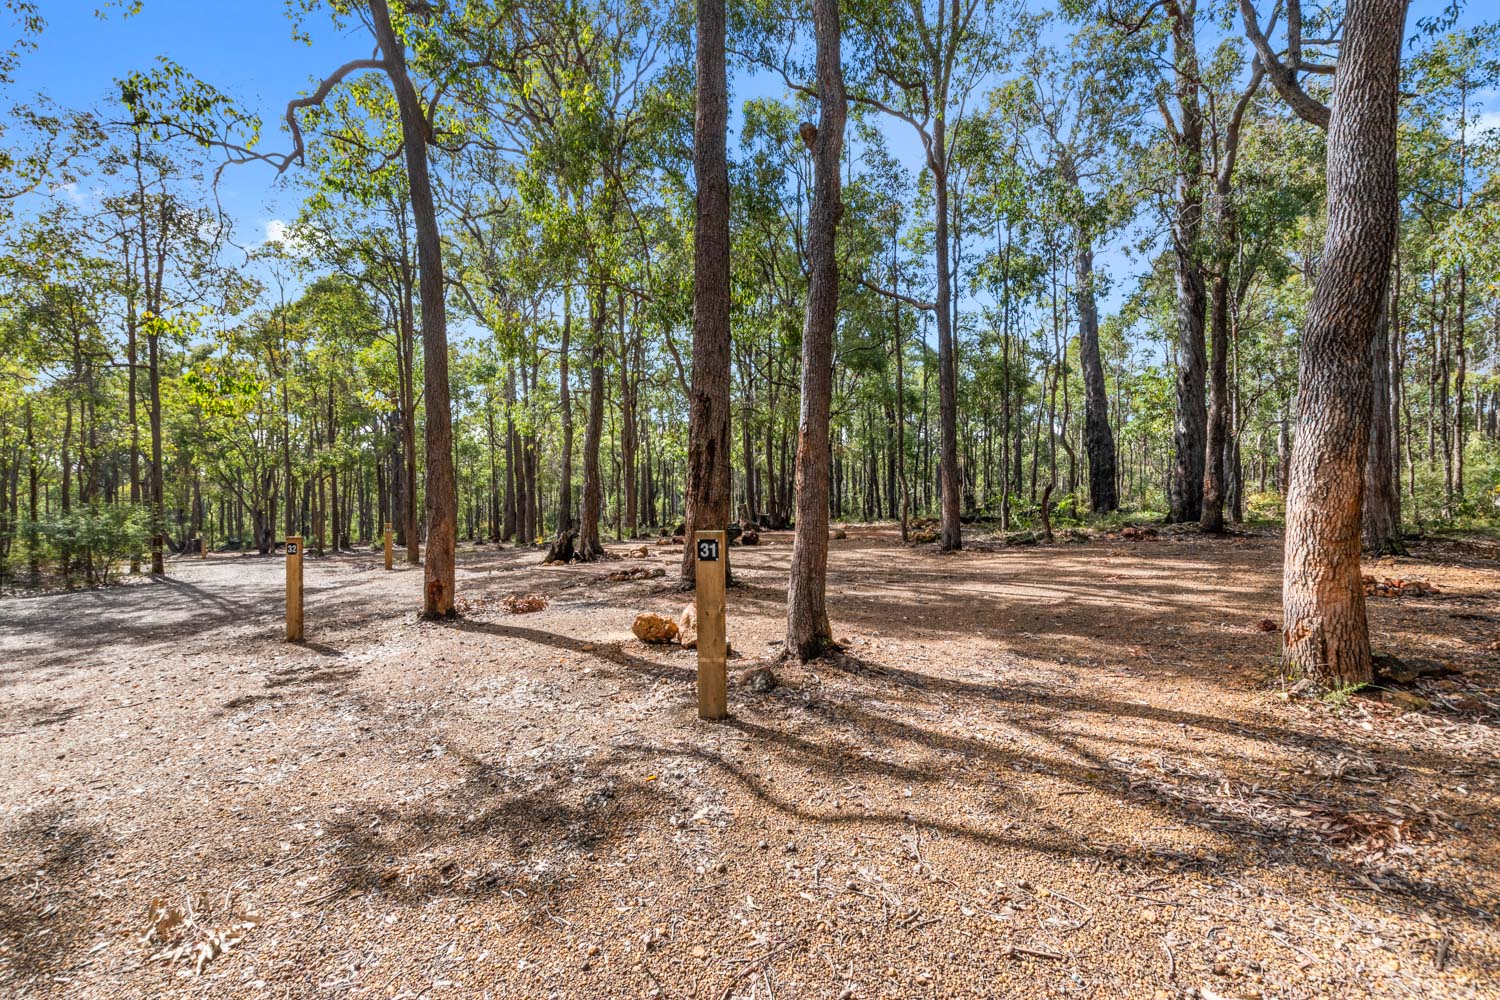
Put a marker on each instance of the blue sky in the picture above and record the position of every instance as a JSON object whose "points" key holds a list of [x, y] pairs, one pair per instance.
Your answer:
{"points": [[245, 47]]}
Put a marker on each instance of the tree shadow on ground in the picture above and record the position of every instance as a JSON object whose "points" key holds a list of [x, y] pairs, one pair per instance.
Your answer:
{"points": [[492, 834], [49, 855], [844, 733]]}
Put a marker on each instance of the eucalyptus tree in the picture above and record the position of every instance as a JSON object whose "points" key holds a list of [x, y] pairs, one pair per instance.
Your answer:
{"points": [[170, 102], [920, 61], [1172, 28], [1087, 107], [170, 243], [1225, 118], [1324, 629], [808, 634], [772, 177], [356, 221], [57, 315], [887, 189], [709, 459], [1446, 140]]}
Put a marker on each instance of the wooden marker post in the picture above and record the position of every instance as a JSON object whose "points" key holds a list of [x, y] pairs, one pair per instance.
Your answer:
{"points": [[712, 643], [203, 546], [388, 541], [294, 588]]}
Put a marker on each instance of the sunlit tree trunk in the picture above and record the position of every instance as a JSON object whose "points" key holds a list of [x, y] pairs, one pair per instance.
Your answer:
{"points": [[1185, 488], [707, 498], [442, 498], [1325, 633], [808, 634], [589, 546]]}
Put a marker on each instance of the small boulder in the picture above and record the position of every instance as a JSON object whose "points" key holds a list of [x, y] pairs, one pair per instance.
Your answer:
{"points": [[750, 537], [838, 533], [687, 627], [653, 628], [759, 679]]}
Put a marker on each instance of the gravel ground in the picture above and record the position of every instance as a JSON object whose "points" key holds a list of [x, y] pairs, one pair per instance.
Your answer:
{"points": [[1038, 772]]}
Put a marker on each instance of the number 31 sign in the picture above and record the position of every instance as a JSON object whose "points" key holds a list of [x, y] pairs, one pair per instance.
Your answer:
{"points": [[708, 550]]}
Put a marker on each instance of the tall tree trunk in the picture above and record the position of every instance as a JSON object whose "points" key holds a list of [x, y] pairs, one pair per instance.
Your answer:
{"points": [[900, 349], [1185, 489], [410, 528], [952, 487], [808, 634], [589, 546], [1461, 356], [565, 407], [442, 498], [513, 480], [629, 448], [1325, 633], [1098, 439], [1382, 500], [158, 488], [1211, 517], [1220, 461], [132, 351], [707, 499]]}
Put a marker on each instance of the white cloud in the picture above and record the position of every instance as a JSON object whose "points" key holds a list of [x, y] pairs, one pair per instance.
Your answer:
{"points": [[73, 193], [284, 234]]}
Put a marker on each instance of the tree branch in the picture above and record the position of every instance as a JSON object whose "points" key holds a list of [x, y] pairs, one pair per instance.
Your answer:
{"points": [[1283, 75]]}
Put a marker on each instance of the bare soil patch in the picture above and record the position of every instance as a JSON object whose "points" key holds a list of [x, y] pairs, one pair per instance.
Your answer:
{"points": [[1045, 771]]}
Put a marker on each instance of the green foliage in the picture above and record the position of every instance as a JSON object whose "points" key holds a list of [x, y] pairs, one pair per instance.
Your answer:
{"points": [[100, 536]]}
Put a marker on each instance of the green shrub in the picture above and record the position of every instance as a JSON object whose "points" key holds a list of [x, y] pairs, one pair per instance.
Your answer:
{"points": [[100, 534], [1270, 506]]}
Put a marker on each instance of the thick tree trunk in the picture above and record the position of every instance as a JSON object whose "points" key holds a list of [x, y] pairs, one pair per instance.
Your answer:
{"points": [[808, 634], [442, 498], [1324, 628], [707, 499], [1098, 439]]}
